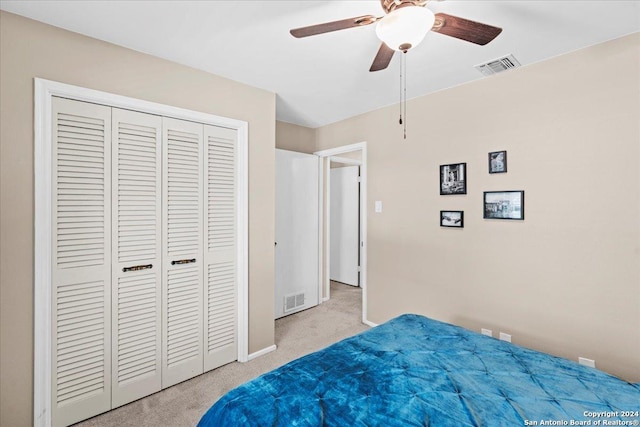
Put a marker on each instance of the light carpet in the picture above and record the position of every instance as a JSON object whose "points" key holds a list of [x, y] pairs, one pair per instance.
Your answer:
{"points": [[296, 335]]}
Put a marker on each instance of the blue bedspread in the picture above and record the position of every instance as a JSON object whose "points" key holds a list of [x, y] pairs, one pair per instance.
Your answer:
{"points": [[414, 371]]}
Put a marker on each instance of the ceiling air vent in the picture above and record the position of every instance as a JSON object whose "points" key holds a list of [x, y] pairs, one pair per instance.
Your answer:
{"points": [[498, 65]]}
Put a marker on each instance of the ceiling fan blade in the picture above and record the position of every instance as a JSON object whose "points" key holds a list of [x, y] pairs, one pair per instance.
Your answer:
{"points": [[328, 27], [383, 58], [464, 29]]}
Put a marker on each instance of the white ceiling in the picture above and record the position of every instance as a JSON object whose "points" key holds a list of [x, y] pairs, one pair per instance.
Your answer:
{"points": [[325, 78]]}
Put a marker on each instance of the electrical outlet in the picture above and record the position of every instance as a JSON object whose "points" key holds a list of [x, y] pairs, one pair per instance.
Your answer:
{"points": [[587, 362], [487, 332], [378, 206], [505, 337]]}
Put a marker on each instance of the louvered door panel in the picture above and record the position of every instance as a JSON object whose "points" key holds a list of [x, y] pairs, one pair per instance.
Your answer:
{"points": [[81, 293], [220, 302], [183, 251], [137, 256]]}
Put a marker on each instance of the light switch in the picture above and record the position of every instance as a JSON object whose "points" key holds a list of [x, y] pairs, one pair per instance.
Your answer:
{"points": [[378, 206]]}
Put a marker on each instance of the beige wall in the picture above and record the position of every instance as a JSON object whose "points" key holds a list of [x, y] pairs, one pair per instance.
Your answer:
{"points": [[567, 279], [353, 155], [30, 49], [295, 138]]}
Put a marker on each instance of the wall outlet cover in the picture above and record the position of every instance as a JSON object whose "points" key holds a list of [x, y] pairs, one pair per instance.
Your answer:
{"points": [[487, 332], [505, 337], [587, 362]]}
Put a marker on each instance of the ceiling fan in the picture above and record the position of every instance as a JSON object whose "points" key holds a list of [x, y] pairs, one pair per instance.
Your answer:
{"points": [[404, 25]]}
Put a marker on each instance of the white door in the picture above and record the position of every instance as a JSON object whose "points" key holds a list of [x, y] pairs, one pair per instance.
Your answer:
{"points": [[296, 267], [183, 210], [81, 265], [344, 225], [220, 305], [137, 255]]}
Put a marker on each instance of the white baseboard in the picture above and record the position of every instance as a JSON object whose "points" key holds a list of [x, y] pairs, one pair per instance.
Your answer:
{"points": [[261, 352], [366, 322]]}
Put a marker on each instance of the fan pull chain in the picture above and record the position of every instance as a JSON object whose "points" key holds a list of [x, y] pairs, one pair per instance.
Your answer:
{"points": [[400, 93], [404, 65], [403, 93]]}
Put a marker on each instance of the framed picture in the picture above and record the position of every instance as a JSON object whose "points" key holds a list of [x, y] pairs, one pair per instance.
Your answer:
{"points": [[453, 179], [498, 162], [504, 205], [452, 219]]}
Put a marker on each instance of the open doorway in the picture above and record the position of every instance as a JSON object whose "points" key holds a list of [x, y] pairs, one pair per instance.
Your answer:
{"points": [[352, 158], [344, 219]]}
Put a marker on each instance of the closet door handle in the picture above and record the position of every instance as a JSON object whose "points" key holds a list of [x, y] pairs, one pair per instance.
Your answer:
{"points": [[183, 261], [137, 267]]}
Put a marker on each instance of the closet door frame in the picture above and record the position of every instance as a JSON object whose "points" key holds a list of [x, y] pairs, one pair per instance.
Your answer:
{"points": [[44, 90]]}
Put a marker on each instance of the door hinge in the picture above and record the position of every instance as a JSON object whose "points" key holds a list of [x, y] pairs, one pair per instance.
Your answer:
{"points": [[359, 269]]}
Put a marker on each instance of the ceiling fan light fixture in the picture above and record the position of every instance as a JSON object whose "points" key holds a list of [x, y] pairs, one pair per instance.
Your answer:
{"points": [[405, 27]]}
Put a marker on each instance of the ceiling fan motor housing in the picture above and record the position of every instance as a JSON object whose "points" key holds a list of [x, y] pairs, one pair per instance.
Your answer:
{"points": [[391, 5]]}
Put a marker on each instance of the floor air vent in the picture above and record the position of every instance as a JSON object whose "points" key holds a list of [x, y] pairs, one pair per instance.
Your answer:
{"points": [[498, 65], [293, 301]]}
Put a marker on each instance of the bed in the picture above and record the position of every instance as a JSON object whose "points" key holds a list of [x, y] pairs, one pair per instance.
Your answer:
{"points": [[415, 371]]}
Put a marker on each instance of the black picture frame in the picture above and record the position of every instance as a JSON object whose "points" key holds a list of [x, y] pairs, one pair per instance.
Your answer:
{"points": [[452, 219], [453, 179], [498, 162], [503, 205]]}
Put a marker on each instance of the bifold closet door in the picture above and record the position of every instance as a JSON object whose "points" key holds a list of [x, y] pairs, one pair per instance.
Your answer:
{"points": [[136, 275], [183, 189], [81, 264], [220, 303]]}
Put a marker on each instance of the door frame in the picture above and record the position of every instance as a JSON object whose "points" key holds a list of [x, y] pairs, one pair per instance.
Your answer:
{"points": [[326, 156], [44, 90]]}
